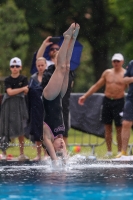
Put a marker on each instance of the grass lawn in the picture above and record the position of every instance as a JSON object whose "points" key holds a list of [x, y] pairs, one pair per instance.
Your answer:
{"points": [[86, 141]]}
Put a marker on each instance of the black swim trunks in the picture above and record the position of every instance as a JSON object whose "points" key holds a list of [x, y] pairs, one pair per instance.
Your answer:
{"points": [[111, 111]]}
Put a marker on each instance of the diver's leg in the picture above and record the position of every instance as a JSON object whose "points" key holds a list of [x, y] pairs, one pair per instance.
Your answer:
{"points": [[53, 88], [68, 58], [71, 45]]}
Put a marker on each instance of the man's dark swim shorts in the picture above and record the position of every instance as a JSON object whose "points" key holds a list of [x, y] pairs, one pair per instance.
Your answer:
{"points": [[111, 111]]}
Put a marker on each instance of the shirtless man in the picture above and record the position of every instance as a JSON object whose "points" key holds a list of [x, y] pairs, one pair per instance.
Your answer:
{"points": [[113, 102], [55, 84]]}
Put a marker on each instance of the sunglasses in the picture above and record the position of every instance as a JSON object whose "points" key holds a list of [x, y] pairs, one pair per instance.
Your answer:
{"points": [[12, 66], [116, 61], [52, 49]]}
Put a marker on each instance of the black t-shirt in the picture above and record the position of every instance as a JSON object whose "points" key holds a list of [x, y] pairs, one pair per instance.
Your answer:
{"points": [[19, 82], [129, 73], [53, 108]]}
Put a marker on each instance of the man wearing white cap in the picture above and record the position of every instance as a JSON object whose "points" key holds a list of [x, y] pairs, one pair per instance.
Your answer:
{"points": [[113, 102]]}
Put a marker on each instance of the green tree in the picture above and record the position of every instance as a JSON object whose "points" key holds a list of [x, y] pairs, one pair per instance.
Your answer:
{"points": [[13, 35], [100, 28], [125, 12], [38, 17]]}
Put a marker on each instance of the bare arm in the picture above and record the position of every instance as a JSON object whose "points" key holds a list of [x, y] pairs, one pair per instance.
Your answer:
{"points": [[43, 47], [50, 148], [12, 92], [93, 89], [26, 90], [48, 143], [128, 80]]}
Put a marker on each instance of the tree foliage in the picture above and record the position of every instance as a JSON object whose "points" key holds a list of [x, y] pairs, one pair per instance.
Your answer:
{"points": [[106, 28], [13, 34], [125, 17]]}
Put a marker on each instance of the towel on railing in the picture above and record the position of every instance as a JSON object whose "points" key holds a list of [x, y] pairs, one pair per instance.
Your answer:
{"points": [[86, 118]]}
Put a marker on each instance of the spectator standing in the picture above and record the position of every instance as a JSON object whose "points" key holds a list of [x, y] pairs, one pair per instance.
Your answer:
{"points": [[36, 111], [128, 110], [14, 113], [113, 102]]}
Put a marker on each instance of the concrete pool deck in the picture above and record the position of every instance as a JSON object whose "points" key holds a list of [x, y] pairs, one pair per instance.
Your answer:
{"points": [[122, 160]]}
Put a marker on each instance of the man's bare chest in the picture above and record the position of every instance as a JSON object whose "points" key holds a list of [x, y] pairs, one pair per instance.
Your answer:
{"points": [[115, 79]]}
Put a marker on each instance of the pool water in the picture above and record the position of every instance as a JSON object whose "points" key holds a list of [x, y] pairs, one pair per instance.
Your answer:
{"points": [[76, 181]]}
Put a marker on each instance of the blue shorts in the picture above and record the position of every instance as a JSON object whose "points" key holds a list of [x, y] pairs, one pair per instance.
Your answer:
{"points": [[128, 111]]}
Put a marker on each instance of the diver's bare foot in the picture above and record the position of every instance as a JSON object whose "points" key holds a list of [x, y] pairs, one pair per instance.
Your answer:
{"points": [[76, 31], [69, 32]]}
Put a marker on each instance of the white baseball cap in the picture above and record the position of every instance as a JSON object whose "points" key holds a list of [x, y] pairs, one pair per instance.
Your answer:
{"points": [[15, 61], [118, 56]]}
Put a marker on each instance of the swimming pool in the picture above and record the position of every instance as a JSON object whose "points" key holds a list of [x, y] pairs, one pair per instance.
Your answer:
{"points": [[76, 181]]}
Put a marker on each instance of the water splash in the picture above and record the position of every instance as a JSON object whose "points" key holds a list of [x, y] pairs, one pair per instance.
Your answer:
{"points": [[75, 162]]}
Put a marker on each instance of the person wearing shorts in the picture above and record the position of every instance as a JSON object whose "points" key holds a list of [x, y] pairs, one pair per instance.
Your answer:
{"points": [[111, 111], [114, 92], [128, 110]]}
